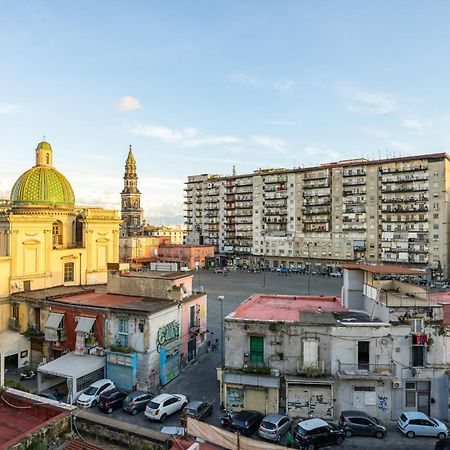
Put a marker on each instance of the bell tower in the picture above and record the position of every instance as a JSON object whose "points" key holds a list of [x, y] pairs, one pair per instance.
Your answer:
{"points": [[131, 211]]}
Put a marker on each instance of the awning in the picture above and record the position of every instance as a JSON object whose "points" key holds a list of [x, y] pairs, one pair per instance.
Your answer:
{"points": [[252, 380], [12, 342], [73, 366], [53, 321], [84, 324]]}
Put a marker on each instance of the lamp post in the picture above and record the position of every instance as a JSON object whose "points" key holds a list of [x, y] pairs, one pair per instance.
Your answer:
{"points": [[220, 298], [309, 268]]}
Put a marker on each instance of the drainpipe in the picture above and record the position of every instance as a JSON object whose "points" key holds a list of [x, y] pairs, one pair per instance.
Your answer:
{"points": [[80, 269]]}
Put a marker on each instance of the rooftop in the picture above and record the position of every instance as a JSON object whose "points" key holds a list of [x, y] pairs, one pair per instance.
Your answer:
{"points": [[286, 307], [21, 416], [385, 269], [116, 301]]}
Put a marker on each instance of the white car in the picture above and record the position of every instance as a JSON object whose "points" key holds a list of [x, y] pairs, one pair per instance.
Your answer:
{"points": [[91, 395], [414, 423], [164, 405]]}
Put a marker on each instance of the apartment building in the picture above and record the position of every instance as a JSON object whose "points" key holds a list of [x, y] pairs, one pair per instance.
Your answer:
{"points": [[385, 211]]}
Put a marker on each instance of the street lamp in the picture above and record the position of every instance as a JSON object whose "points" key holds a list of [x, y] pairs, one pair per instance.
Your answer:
{"points": [[309, 268], [220, 298]]}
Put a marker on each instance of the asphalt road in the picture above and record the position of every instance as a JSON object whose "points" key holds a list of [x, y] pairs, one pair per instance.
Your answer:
{"points": [[199, 381]]}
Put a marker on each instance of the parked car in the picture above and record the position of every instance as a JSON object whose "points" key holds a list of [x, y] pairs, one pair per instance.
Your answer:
{"points": [[247, 421], [359, 423], [90, 396], [111, 400], [414, 423], [218, 270], [164, 405], [137, 401], [184, 269], [442, 444], [336, 274], [316, 433], [52, 394], [274, 426], [198, 410]]}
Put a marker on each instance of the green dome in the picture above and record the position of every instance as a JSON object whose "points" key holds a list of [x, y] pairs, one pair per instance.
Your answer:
{"points": [[42, 185], [44, 146]]}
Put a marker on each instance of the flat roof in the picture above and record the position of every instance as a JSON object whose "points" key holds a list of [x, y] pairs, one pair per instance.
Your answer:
{"points": [[118, 301], [72, 365], [21, 416], [385, 269], [155, 274], [285, 307]]}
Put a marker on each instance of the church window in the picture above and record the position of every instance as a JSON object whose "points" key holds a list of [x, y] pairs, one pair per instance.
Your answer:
{"points": [[57, 233], [69, 272], [47, 157]]}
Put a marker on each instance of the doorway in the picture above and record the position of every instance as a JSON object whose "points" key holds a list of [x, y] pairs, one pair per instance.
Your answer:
{"points": [[192, 349]]}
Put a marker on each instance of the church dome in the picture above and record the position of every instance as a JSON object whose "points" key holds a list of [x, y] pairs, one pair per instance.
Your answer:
{"points": [[42, 185]]}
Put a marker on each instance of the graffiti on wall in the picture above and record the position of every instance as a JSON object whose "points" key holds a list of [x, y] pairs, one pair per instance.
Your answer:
{"points": [[383, 403], [168, 333]]}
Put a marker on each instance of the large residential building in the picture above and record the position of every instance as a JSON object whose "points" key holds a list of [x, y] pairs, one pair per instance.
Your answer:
{"points": [[382, 348], [386, 211]]}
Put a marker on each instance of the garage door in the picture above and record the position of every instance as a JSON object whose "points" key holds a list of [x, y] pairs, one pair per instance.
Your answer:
{"points": [[305, 400], [256, 399]]}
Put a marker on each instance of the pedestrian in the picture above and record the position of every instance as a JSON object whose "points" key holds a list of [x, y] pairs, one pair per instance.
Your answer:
{"points": [[290, 439]]}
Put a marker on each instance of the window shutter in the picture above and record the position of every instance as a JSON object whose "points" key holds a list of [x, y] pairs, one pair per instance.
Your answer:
{"points": [[310, 353]]}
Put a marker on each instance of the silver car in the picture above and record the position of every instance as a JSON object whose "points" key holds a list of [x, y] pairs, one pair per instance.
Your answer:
{"points": [[274, 426]]}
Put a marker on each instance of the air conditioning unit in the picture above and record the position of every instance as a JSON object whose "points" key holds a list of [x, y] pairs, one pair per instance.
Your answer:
{"points": [[396, 384], [274, 373]]}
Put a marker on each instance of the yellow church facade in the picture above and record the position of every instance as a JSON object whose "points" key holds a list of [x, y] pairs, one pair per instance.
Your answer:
{"points": [[46, 240]]}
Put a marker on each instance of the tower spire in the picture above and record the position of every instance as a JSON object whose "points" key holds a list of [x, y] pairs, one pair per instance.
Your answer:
{"points": [[132, 216]]}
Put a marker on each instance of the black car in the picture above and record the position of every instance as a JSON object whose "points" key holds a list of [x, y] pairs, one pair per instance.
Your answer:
{"points": [[52, 394], [198, 410], [247, 422], [111, 400], [316, 433], [137, 401], [359, 423]]}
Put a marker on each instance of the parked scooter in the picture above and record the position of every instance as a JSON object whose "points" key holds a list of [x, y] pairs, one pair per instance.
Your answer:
{"points": [[27, 374], [227, 420]]}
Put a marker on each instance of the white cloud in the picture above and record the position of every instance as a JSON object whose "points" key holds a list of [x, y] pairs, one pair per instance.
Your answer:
{"points": [[283, 85], [269, 142], [402, 146], [364, 101], [322, 154], [128, 103], [185, 137], [413, 124], [7, 108]]}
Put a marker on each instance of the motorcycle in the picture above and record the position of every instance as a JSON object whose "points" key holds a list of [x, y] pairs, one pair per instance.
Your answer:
{"points": [[227, 420], [28, 375]]}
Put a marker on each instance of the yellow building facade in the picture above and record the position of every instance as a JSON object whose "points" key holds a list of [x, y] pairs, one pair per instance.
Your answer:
{"points": [[47, 241]]}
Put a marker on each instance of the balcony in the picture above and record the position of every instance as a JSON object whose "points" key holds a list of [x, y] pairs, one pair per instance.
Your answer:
{"points": [[356, 370], [311, 370], [256, 367], [194, 328]]}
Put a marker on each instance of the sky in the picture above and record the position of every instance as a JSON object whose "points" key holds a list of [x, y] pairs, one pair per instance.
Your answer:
{"points": [[199, 86]]}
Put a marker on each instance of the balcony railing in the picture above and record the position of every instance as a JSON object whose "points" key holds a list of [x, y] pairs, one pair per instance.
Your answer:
{"points": [[365, 370]]}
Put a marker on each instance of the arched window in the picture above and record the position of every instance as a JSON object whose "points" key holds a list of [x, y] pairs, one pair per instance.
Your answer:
{"points": [[57, 233], [47, 158]]}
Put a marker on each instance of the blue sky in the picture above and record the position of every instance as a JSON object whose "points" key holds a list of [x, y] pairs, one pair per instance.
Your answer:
{"points": [[197, 86]]}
